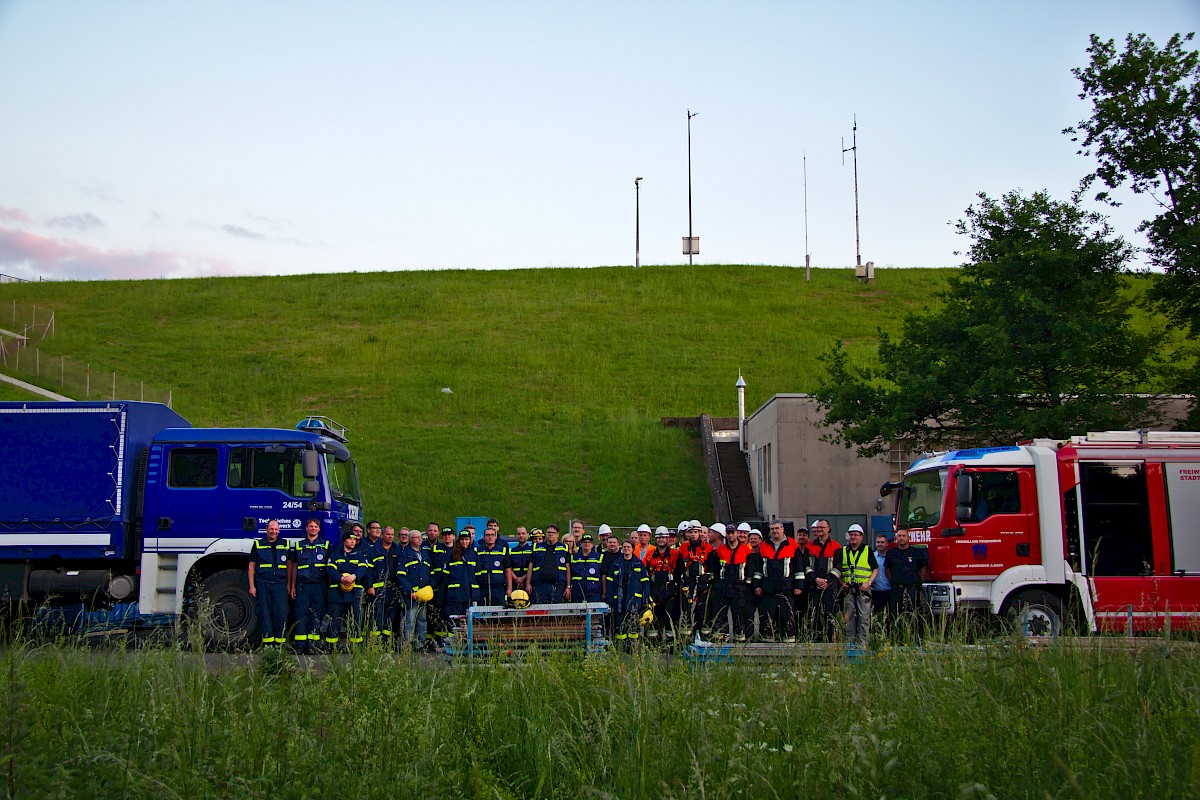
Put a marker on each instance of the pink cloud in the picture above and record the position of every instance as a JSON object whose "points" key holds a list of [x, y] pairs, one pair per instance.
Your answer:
{"points": [[14, 215], [31, 255]]}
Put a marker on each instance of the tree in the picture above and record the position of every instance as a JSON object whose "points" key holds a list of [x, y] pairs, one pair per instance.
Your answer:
{"points": [[1144, 131], [1033, 339]]}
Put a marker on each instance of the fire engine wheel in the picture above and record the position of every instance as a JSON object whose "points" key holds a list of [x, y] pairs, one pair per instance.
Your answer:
{"points": [[1038, 613], [225, 610]]}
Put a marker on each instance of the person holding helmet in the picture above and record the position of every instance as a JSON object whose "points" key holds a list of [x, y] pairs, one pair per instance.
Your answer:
{"points": [[414, 582], [585, 571], [519, 572], [662, 564], [626, 590], [347, 572], [492, 556]]}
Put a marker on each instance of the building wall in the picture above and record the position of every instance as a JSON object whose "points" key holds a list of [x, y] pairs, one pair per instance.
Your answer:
{"points": [[796, 475]]}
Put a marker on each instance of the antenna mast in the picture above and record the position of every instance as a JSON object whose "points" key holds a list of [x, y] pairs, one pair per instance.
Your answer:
{"points": [[854, 149], [807, 259]]}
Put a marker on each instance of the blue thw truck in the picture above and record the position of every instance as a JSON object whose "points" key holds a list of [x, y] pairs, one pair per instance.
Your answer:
{"points": [[122, 514]]}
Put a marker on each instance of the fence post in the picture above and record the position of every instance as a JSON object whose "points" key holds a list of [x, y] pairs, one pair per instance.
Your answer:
{"points": [[169, 392], [114, 389], [1129, 622], [141, 390]]}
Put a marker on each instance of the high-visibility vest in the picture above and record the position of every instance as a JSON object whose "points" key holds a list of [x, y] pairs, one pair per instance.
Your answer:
{"points": [[855, 566]]}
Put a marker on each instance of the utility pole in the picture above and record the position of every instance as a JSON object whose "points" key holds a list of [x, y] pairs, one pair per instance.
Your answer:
{"points": [[854, 149]]}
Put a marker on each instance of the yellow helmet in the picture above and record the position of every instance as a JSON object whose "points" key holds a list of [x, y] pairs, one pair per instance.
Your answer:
{"points": [[425, 594], [519, 598]]}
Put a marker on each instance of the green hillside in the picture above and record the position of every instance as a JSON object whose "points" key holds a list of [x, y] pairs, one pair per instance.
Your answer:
{"points": [[559, 377]]}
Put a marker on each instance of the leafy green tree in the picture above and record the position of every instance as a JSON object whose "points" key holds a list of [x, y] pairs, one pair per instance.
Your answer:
{"points": [[1144, 130], [1033, 339]]}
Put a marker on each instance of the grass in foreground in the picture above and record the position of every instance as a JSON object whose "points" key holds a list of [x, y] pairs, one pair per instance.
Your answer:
{"points": [[965, 722]]}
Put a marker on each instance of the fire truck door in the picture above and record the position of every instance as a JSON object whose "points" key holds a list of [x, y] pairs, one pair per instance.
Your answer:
{"points": [[1118, 547], [1179, 581]]}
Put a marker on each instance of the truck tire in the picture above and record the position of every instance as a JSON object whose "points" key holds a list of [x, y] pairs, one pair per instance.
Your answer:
{"points": [[1038, 613], [225, 610]]}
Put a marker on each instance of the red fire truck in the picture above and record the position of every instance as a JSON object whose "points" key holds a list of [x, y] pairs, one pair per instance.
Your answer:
{"points": [[1103, 529]]}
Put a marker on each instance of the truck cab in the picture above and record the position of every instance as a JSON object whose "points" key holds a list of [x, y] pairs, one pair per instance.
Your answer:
{"points": [[122, 514], [1103, 528], [211, 492]]}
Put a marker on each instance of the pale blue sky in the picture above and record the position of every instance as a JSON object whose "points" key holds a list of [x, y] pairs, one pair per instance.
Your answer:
{"points": [[163, 138]]}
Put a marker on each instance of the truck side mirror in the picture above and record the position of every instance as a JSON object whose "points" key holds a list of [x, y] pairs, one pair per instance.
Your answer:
{"points": [[964, 490], [310, 486], [311, 463]]}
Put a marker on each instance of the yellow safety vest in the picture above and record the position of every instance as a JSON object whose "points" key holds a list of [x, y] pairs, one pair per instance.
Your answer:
{"points": [[855, 567]]}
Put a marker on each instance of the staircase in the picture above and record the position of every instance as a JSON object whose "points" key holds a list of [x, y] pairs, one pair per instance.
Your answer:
{"points": [[727, 469]]}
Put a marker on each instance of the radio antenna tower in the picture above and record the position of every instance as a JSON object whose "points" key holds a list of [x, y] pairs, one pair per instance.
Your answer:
{"points": [[854, 149], [807, 258]]}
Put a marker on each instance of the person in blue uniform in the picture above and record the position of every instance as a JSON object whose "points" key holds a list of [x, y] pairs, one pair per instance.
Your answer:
{"points": [[492, 558], [520, 561], [347, 573], [308, 585], [462, 586], [268, 577], [626, 590], [412, 572], [586, 572], [551, 570], [439, 557], [371, 553]]}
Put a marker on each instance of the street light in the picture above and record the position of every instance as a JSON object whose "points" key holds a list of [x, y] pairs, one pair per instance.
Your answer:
{"points": [[637, 222], [691, 247]]}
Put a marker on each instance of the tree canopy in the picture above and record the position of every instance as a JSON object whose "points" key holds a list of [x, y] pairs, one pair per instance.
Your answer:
{"points": [[1033, 339], [1144, 130]]}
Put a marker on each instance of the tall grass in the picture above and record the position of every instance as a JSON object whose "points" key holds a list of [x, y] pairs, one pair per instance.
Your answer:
{"points": [[994, 720]]}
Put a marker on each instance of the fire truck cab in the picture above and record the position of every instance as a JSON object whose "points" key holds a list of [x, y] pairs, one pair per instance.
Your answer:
{"points": [[1103, 529]]}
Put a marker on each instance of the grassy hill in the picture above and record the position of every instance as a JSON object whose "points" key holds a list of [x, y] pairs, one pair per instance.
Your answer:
{"points": [[559, 377]]}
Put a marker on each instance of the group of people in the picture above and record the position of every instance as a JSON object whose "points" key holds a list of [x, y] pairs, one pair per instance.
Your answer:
{"points": [[721, 580]]}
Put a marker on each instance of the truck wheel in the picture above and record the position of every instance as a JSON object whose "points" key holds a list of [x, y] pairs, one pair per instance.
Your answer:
{"points": [[1038, 613], [225, 610]]}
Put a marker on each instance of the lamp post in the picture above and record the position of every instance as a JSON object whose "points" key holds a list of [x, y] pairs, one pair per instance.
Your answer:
{"points": [[741, 387], [692, 245], [637, 222]]}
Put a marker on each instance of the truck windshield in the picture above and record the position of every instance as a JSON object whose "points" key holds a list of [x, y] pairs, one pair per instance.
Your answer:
{"points": [[921, 499], [343, 480]]}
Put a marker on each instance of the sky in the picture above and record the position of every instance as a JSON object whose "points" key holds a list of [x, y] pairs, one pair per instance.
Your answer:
{"points": [[163, 139]]}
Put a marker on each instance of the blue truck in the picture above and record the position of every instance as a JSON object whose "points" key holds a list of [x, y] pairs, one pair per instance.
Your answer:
{"points": [[123, 515]]}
